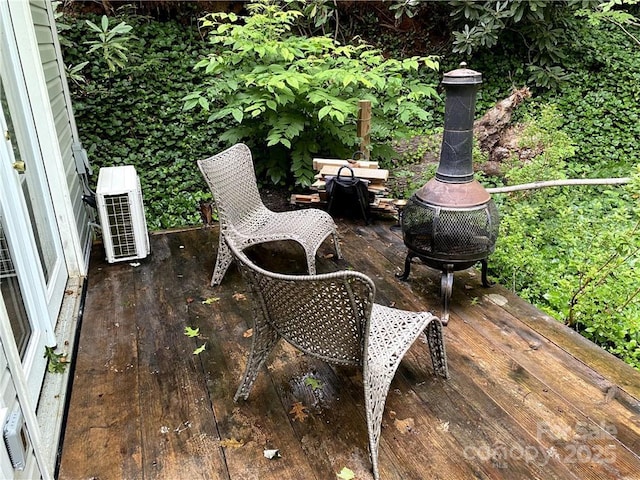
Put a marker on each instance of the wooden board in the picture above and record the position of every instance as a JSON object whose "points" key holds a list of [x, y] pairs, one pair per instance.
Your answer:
{"points": [[373, 174], [104, 439], [319, 163]]}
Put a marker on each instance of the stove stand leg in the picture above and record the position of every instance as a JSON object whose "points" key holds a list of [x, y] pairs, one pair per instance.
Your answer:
{"points": [[446, 287], [407, 267], [485, 280]]}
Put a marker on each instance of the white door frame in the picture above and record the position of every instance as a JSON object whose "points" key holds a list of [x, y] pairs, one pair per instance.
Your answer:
{"points": [[27, 142], [27, 406], [42, 299], [16, 17], [29, 272]]}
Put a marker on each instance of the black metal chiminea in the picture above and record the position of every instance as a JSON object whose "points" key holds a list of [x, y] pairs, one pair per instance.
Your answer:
{"points": [[451, 223]]}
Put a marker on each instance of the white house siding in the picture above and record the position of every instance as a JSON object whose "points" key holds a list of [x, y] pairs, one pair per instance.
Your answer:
{"points": [[53, 69]]}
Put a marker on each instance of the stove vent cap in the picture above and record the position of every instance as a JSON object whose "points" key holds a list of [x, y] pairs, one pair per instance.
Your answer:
{"points": [[462, 76]]}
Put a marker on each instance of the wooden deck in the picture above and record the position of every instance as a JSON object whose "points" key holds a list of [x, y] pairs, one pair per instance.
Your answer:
{"points": [[527, 398]]}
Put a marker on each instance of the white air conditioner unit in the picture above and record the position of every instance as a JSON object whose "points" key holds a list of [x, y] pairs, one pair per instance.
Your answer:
{"points": [[119, 201]]}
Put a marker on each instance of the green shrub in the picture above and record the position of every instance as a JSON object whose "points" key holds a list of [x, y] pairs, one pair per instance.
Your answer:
{"points": [[572, 251], [295, 97]]}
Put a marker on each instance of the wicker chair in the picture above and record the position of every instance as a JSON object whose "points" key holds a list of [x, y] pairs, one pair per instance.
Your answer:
{"points": [[245, 220], [332, 316]]}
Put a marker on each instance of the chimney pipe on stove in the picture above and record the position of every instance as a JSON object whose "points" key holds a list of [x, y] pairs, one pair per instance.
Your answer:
{"points": [[461, 85]]}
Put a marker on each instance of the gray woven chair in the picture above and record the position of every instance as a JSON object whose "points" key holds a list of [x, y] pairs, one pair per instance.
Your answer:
{"points": [[245, 220], [332, 316]]}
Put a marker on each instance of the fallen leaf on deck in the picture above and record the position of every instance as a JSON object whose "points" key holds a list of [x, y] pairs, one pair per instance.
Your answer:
{"points": [[239, 296], [298, 411], [200, 349], [271, 454], [314, 383], [231, 443], [191, 332], [346, 474], [248, 333], [210, 300], [497, 299]]}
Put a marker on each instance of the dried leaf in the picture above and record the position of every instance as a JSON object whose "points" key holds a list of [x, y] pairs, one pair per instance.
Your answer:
{"points": [[239, 296], [314, 383], [248, 333], [346, 474], [211, 300], [190, 300], [191, 332], [271, 454], [298, 411], [200, 349], [231, 443]]}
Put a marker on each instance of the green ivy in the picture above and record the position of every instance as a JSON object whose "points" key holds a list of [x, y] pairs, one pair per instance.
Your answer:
{"points": [[134, 116], [573, 251]]}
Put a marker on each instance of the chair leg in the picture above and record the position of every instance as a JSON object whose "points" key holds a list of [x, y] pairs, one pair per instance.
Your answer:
{"points": [[383, 354], [433, 331], [377, 381], [223, 260], [264, 341], [336, 243], [311, 261]]}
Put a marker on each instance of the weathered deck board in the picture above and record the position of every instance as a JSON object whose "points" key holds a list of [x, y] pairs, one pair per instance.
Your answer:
{"points": [[526, 399], [104, 369], [179, 437]]}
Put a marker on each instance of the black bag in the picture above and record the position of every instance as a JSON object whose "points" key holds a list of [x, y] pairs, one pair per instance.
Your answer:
{"points": [[348, 195]]}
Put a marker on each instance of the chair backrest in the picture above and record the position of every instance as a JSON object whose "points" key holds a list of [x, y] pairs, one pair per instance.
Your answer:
{"points": [[231, 177], [326, 316]]}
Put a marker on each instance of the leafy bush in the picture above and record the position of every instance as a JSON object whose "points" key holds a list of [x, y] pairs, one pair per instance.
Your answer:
{"points": [[541, 30], [296, 97], [572, 251], [112, 42]]}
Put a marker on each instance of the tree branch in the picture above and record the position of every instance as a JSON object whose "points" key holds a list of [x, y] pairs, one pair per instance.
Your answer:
{"points": [[560, 183]]}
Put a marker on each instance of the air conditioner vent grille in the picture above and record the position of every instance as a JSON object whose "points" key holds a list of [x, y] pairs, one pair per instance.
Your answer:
{"points": [[121, 225]]}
